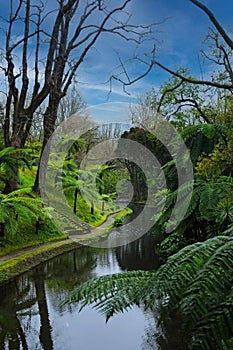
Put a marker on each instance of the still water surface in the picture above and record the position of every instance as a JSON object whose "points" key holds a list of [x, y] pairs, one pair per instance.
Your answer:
{"points": [[31, 315]]}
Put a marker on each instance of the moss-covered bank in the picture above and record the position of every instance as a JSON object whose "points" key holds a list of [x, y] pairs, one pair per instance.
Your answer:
{"points": [[28, 260], [17, 263]]}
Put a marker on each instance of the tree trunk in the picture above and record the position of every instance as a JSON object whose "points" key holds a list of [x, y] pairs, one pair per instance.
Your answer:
{"points": [[12, 179], [37, 227], [75, 200], [11, 183], [2, 229], [45, 327], [50, 117], [75, 262], [92, 207]]}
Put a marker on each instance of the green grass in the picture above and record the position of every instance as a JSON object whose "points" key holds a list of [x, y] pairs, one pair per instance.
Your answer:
{"points": [[84, 210], [119, 219], [26, 237], [27, 177], [17, 265]]}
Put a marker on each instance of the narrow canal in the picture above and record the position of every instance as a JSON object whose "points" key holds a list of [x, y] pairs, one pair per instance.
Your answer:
{"points": [[31, 315]]}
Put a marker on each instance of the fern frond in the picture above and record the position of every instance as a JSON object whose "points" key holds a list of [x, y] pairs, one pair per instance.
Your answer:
{"points": [[11, 225], [174, 277], [214, 275], [215, 329], [229, 231], [114, 293], [208, 201], [202, 138], [225, 179], [3, 213], [6, 152], [197, 281], [193, 204], [22, 191], [209, 130]]}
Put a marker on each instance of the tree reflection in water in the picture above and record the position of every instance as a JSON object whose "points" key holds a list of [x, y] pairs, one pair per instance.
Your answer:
{"points": [[24, 301], [17, 298], [32, 317]]}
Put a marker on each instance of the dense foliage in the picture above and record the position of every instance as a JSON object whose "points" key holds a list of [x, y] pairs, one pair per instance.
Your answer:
{"points": [[196, 277], [197, 281]]}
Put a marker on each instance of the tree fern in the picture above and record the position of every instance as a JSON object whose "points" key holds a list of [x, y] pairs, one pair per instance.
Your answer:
{"points": [[229, 230], [105, 292], [209, 211], [16, 208], [10, 157], [181, 268], [202, 138], [214, 276], [197, 281], [208, 201]]}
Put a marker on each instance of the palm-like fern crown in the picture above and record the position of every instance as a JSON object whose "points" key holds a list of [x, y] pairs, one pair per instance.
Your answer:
{"points": [[211, 202], [202, 138], [18, 206], [197, 281]]}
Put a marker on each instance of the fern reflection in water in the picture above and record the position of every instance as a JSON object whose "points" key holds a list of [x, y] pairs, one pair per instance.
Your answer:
{"points": [[197, 282]]}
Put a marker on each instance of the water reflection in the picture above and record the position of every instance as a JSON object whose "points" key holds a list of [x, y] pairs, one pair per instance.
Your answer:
{"points": [[32, 317], [141, 253]]}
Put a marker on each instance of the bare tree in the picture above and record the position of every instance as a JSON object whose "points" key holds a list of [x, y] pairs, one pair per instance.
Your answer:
{"points": [[178, 101], [43, 52], [185, 93], [220, 55]]}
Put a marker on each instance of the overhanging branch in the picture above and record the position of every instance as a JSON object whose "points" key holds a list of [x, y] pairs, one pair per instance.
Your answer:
{"points": [[215, 22]]}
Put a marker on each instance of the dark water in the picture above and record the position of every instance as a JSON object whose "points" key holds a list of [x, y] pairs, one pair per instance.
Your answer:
{"points": [[31, 315]]}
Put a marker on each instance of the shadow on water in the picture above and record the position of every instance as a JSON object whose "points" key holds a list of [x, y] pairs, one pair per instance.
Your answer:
{"points": [[32, 317], [139, 254]]}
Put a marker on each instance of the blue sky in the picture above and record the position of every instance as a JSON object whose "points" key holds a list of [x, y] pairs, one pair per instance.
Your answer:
{"points": [[181, 38], [178, 39]]}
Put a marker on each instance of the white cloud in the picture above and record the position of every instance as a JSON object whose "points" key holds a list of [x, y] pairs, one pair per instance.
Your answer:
{"points": [[110, 112]]}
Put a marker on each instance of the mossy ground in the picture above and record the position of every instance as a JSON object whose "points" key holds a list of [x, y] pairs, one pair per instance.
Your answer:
{"points": [[26, 237], [26, 261], [48, 241], [26, 233]]}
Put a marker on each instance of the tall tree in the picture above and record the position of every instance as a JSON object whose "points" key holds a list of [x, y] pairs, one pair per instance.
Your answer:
{"points": [[44, 50]]}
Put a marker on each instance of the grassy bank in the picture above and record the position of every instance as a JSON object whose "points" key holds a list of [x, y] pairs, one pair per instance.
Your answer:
{"points": [[119, 219], [26, 260]]}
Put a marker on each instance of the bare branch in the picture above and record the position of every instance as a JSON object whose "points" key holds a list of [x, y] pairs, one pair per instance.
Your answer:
{"points": [[37, 48], [92, 42], [193, 103], [193, 80], [227, 63], [215, 22], [131, 81], [24, 57], [128, 80], [167, 91], [76, 26]]}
